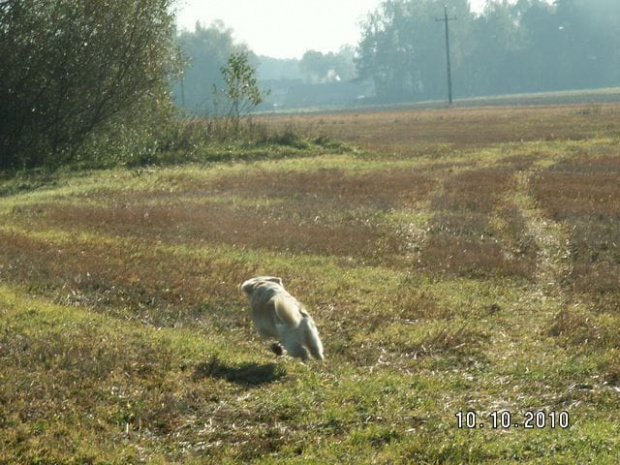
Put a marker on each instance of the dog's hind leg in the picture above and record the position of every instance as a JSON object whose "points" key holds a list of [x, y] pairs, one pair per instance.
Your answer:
{"points": [[294, 347]]}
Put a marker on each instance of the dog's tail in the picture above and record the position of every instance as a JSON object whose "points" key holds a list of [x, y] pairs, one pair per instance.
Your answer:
{"points": [[312, 339], [291, 315]]}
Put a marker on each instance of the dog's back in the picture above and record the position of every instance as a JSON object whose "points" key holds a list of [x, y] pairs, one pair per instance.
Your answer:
{"points": [[272, 306]]}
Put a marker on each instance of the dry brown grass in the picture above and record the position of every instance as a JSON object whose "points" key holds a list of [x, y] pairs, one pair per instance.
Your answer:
{"points": [[134, 280], [383, 189], [584, 194], [324, 212], [582, 186], [439, 131], [463, 238]]}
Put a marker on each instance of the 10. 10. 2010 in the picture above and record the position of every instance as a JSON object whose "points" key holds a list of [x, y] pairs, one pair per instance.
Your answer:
{"points": [[504, 419]]}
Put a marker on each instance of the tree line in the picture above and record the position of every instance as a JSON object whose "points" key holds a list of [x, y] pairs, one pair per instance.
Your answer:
{"points": [[512, 47], [206, 50], [97, 79]]}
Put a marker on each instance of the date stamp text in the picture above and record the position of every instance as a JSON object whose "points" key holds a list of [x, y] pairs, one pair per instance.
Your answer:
{"points": [[505, 419]]}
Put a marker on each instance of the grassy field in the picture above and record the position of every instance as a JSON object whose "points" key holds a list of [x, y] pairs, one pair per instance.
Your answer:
{"points": [[462, 266]]}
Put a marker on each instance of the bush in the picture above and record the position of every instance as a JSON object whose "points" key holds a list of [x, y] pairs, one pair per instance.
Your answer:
{"points": [[71, 70]]}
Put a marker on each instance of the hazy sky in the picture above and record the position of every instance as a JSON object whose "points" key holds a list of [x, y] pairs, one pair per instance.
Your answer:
{"points": [[285, 28]]}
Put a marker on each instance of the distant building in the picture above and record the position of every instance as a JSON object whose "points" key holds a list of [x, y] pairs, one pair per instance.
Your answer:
{"points": [[294, 93]]}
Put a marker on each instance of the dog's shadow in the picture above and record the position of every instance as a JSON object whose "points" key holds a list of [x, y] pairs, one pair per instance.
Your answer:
{"points": [[249, 374]]}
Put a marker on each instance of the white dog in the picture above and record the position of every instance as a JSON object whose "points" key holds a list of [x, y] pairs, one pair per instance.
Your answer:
{"points": [[277, 314]]}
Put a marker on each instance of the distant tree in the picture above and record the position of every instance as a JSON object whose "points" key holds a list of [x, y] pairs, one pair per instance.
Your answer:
{"points": [[320, 67], [278, 68], [587, 38], [206, 51], [494, 65], [402, 47], [522, 46], [345, 65], [314, 66], [242, 91], [570, 44], [68, 68]]}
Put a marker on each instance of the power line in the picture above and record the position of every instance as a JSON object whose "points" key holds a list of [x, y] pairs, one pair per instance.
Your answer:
{"points": [[446, 20]]}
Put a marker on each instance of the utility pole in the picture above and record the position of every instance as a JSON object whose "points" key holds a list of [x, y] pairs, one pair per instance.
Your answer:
{"points": [[446, 20]]}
